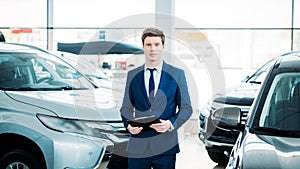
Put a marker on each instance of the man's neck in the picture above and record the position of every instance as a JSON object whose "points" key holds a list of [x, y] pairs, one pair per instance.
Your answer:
{"points": [[154, 64]]}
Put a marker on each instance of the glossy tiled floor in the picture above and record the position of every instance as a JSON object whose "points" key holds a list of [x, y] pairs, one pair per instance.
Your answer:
{"points": [[193, 155]]}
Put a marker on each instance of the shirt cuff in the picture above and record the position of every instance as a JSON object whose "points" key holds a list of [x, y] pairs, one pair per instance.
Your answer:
{"points": [[171, 126]]}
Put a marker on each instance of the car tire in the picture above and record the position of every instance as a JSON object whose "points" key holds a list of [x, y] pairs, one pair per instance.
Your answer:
{"points": [[217, 157], [20, 158], [118, 162]]}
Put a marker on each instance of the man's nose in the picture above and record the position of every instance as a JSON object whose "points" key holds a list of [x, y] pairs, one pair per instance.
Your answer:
{"points": [[152, 47]]}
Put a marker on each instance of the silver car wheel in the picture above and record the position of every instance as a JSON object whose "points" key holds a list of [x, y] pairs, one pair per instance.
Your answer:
{"points": [[17, 165]]}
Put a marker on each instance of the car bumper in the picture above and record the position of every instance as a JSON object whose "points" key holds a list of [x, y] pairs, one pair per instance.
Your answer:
{"points": [[70, 151]]}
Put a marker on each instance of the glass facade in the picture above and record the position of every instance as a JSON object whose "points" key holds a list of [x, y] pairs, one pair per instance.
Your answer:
{"points": [[23, 14], [249, 31], [95, 13], [235, 13], [246, 46], [297, 14]]}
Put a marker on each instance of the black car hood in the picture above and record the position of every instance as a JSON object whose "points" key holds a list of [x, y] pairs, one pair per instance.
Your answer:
{"points": [[242, 94]]}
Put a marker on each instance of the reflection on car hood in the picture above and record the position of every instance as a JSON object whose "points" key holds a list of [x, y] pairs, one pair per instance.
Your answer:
{"points": [[242, 94], [271, 152], [95, 104]]}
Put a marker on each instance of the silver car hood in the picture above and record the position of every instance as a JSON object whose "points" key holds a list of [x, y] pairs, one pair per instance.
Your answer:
{"points": [[271, 152], [95, 104]]}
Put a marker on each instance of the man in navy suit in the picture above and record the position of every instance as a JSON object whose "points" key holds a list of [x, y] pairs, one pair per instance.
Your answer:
{"points": [[155, 88]]}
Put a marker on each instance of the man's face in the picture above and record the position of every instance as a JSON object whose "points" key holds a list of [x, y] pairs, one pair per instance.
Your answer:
{"points": [[153, 48]]}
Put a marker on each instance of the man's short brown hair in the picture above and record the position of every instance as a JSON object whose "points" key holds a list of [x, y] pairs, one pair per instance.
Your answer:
{"points": [[153, 32]]}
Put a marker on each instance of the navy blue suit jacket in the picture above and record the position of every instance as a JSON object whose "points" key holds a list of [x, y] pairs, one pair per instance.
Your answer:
{"points": [[171, 102]]}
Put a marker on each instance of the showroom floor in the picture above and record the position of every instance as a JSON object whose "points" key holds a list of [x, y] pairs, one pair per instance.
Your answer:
{"points": [[193, 155]]}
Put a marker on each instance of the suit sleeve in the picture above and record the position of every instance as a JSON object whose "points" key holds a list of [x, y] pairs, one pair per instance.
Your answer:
{"points": [[183, 102], [127, 105]]}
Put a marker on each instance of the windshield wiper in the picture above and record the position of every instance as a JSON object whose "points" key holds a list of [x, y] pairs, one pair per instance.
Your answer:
{"points": [[255, 82], [19, 89], [40, 88], [277, 132], [65, 88], [68, 88]]}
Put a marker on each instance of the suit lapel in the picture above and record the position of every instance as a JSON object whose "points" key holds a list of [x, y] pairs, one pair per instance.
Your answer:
{"points": [[163, 83], [141, 84]]}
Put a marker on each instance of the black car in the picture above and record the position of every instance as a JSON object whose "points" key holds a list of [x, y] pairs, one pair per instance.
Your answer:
{"points": [[270, 137], [219, 141]]}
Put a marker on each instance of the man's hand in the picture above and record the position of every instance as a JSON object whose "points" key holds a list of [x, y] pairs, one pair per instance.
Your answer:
{"points": [[134, 130], [161, 127]]}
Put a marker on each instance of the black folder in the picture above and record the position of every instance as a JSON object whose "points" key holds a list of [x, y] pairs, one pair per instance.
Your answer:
{"points": [[144, 122]]}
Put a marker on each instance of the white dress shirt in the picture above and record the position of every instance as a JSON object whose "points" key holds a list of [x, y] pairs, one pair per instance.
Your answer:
{"points": [[156, 77]]}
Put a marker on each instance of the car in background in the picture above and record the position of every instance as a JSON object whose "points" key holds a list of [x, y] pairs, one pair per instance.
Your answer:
{"points": [[270, 138], [2, 38], [98, 76], [51, 115], [219, 141]]}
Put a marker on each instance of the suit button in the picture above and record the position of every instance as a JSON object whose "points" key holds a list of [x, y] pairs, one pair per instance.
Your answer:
{"points": [[149, 110]]}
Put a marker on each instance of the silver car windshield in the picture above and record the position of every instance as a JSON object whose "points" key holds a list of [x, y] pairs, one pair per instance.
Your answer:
{"points": [[38, 71], [281, 111]]}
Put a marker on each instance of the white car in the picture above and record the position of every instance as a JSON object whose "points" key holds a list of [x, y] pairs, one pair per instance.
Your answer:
{"points": [[50, 115]]}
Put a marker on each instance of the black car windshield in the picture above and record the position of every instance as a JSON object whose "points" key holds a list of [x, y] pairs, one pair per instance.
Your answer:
{"points": [[259, 76], [38, 71], [281, 111]]}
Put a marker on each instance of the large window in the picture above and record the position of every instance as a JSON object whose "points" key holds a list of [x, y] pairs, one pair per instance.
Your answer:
{"points": [[24, 21], [235, 13], [250, 31], [23, 14], [296, 39], [251, 48], [244, 34], [95, 13], [297, 14]]}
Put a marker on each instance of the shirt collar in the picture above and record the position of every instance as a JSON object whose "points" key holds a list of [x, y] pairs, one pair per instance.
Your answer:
{"points": [[158, 68]]}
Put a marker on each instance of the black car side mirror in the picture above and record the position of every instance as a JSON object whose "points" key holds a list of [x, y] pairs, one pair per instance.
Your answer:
{"points": [[228, 118], [2, 38]]}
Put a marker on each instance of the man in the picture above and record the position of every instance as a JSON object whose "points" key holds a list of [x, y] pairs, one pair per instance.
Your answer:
{"points": [[155, 88]]}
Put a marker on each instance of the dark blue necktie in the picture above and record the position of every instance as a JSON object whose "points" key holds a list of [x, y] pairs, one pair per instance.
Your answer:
{"points": [[151, 85]]}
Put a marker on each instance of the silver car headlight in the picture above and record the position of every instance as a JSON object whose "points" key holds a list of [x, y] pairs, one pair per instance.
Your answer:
{"points": [[82, 127]]}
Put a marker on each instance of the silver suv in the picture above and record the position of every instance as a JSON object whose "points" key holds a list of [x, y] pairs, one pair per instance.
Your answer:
{"points": [[51, 116]]}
